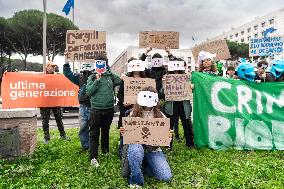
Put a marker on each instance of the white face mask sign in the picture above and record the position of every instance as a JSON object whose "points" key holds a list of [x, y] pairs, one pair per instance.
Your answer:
{"points": [[157, 62], [147, 98], [176, 65], [136, 65], [86, 67]]}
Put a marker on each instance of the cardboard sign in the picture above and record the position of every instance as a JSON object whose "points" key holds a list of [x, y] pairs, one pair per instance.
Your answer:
{"points": [[26, 90], [85, 45], [176, 65], [154, 132], [136, 65], [266, 46], [177, 87], [219, 47], [133, 85], [100, 66], [159, 39]]}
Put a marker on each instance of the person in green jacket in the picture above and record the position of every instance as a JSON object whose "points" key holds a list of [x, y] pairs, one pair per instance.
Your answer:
{"points": [[100, 87]]}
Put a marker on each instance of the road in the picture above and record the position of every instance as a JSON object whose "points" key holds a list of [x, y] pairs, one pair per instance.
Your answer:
{"points": [[70, 120]]}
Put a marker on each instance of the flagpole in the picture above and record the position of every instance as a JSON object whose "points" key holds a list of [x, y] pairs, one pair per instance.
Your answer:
{"points": [[73, 12], [44, 37]]}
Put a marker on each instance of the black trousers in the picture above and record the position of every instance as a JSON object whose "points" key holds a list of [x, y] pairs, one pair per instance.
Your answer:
{"points": [[100, 122], [178, 112], [45, 114]]}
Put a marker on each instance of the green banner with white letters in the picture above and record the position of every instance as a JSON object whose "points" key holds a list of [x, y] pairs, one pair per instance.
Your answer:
{"points": [[239, 114]]}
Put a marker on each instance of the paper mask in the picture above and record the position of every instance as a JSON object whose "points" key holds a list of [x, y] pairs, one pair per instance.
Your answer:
{"points": [[100, 66], [136, 65], [176, 65], [157, 62], [86, 67], [147, 98]]}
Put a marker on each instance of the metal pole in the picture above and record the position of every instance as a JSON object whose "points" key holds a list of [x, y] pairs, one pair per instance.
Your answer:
{"points": [[44, 37], [73, 24]]}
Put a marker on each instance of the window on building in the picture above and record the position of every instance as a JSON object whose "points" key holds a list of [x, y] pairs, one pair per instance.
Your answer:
{"points": [[249, 37], [263, 24], [189, 60], [149, 58], [242, 40], [231, 37], [236, 34], [242, 32], [262, 33], [255, 27], [166, 58], [271, 21], [249, 29], [256, 35]]}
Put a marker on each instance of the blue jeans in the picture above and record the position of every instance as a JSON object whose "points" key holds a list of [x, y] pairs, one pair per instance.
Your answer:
{"points": [[84, 117], [156, 164]]}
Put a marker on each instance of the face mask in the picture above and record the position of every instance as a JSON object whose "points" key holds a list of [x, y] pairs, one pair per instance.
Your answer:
{"points": [[86, 67], [157, 62], [147, 98], [176, 65], [246, 71], [100, 66], [277, 68], [136, 65]]}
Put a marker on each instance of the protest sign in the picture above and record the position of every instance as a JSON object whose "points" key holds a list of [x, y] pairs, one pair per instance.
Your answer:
{"points": [[218, 47], [136, 65], [176, 65], [177, 87], [26, 90], [100, 66], [133, 85], [154, 132], [85, 45], [266, 46], [159, 39], [236, 113]]}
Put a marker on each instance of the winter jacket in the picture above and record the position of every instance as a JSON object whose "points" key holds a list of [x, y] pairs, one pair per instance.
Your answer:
{"points": [[101, 91]]}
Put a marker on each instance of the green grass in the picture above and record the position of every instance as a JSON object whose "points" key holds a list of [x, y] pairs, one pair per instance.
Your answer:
{"points": [[60, 164]]}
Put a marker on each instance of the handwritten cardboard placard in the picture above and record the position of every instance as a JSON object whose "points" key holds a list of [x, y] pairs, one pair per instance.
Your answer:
{"points": [[266, 46], [159, 39], [85, 45], [133, 85], [177, 87], [154, 132], [218, 47]]}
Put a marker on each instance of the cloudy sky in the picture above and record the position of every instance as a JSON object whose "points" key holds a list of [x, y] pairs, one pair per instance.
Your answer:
{"points": [[123, 19]]}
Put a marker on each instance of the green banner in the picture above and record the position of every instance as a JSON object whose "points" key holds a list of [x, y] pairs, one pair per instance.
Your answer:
{"points": [[235, 113]]}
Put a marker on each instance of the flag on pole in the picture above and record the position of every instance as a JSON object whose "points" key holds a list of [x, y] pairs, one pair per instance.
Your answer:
{"points": [[67, 7]]}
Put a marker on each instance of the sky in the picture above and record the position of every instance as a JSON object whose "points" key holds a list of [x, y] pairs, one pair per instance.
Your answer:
{"points": [[123, 19]]}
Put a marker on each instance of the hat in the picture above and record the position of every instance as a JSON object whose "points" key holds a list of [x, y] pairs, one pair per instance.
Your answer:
{"points": [[50, 64], [205, 55]]}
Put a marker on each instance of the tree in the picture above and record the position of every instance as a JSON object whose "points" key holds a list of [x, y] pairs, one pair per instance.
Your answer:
{"points": [[238, 50], [22, 32], [57, 27]]}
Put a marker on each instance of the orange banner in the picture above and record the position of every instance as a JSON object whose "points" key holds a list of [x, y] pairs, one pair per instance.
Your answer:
{"points": [[28, 90]]}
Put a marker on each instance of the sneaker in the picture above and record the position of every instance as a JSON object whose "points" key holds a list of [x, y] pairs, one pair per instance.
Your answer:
{"points": [[46, 141], [64, 137], [94, 162], [134, 186]]}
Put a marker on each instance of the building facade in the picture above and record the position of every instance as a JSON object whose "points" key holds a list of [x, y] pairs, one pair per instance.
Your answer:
{"points": [[120, 63], [255, 28]]}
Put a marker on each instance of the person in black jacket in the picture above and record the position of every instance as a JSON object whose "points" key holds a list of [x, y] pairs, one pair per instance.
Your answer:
{"points": [[124, 107], [84, 100]]}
